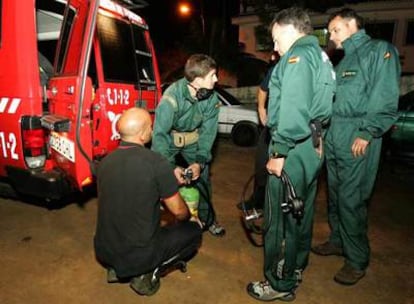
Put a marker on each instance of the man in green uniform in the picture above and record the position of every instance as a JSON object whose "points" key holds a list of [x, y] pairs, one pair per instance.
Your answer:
{"points": [[301, 93], [365, 107], [186, 122]]}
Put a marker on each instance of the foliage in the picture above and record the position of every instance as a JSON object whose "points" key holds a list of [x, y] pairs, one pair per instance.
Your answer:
{"points": [[218, 38], [265, 10]]}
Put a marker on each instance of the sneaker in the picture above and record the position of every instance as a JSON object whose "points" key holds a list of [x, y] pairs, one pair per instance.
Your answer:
{"points": [[348, 275], [262, 291], [216, 229], [298, 275], [111, 276], [327, 248], [146, 284]]}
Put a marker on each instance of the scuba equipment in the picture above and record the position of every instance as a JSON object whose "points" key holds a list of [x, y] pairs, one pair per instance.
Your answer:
{"points": [[207, 214], [188, 175], [289, 204], [189, 193], [191, 196], [251, 217]]}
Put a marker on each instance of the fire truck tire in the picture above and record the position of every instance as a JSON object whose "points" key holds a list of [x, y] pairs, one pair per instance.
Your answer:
{"points": [[7, 191]]}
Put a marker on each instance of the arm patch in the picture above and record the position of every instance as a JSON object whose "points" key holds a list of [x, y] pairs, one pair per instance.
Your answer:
{"points": [[294, 59]]}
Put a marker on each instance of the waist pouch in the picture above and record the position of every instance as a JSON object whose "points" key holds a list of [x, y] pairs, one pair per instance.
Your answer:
{"points": [[182, 139], [316, 132]]}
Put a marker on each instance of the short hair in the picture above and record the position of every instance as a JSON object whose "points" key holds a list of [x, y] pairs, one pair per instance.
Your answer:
{"points": [[296, 16], [198, 65], [348, 13]]}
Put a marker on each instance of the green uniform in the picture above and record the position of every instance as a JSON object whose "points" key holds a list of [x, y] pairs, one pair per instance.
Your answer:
{"points": [[178, 111], [365, 106], [301, 90]]}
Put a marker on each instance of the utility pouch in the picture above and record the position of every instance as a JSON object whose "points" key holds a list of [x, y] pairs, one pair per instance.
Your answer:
{"points": [[182, 139], [316, 132]]}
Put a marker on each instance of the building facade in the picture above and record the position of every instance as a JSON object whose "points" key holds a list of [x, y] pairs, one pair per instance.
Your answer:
{"points": [[389, 20]]}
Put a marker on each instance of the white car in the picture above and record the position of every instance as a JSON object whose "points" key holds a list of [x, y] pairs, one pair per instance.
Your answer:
{"points": [[239, 120]]}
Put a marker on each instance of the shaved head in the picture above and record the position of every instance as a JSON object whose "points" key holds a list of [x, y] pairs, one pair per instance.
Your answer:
{"points": [[135, 125]]}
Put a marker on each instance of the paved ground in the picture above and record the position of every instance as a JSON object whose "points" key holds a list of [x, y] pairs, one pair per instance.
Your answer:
{"points": [[47, 255]]}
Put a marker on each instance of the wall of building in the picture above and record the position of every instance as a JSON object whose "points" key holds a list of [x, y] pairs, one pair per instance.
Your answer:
{"points": [[399, 12]]}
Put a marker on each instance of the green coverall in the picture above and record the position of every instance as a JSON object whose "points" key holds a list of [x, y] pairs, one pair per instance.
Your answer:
{"points": [[301, 90], [365, 106], [178, 111]]}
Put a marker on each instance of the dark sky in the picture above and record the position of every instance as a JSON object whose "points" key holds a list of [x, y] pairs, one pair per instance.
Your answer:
{"points": [[167, 26]]}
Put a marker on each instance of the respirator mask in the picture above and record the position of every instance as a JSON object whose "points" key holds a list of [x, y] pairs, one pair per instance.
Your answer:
{"points": [[202, 93]]}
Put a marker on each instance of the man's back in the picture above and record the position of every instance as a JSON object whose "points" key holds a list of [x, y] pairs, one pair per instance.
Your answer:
{"points": [[132, 180], [129, 191]]}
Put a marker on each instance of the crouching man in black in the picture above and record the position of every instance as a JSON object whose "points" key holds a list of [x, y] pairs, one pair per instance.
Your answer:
{"points": [[133, 182]]}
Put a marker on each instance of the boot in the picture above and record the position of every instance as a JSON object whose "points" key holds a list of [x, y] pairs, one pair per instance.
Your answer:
{"points": [[348, 275], [327, 248]]}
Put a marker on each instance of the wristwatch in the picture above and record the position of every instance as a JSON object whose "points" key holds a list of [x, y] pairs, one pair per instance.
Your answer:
{"points": [[277, 155]]}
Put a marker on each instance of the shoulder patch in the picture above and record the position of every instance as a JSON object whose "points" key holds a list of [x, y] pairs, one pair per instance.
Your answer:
{"points": [[218, 105], [294, 59], [387, 55]]}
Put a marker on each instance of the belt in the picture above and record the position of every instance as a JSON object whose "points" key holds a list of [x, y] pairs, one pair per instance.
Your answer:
{"points": [[182, 139]]}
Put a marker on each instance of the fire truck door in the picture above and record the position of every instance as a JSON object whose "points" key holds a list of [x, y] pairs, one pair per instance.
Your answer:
{"points": [[71, 90]]}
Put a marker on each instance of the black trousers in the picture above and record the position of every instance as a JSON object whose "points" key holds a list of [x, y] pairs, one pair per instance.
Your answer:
{"points": [[260, 177], [179, 241]]}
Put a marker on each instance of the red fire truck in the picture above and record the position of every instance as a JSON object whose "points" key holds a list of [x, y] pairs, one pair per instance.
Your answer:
{"points": [[58, 120]]}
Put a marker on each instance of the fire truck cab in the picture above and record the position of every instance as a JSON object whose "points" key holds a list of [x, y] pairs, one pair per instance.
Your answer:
{"points": [[58, 120]]}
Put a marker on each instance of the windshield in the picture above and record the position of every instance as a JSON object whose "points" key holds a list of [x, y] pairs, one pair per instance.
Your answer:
{"points": [[226, 98]]}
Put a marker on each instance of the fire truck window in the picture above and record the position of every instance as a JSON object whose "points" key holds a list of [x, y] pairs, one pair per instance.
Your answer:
{"points": [[48, 49], [46, 69], [65, 39], [143, 56], [92, 70], [117, 50], [409, 40]]}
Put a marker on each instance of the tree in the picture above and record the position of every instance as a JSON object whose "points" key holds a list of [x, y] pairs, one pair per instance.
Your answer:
{"points": [[266, 9], [206, 29]]}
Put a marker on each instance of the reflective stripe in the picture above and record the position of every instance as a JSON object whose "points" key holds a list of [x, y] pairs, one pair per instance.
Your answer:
{"points": [[171, 100], [4, 102], [14, 105]]}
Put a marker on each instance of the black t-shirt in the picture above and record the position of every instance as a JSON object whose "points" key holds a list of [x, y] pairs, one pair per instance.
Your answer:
{"points": [[131, 180], [264, 85]]}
